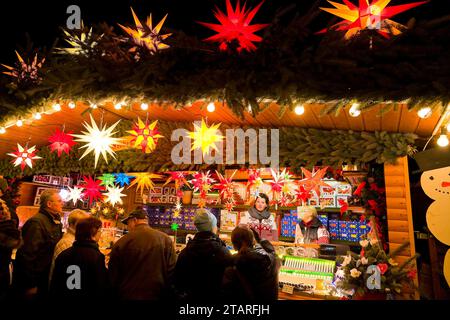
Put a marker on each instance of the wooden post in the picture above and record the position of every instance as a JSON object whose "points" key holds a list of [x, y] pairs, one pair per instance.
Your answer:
{"points": [[399, 211]]}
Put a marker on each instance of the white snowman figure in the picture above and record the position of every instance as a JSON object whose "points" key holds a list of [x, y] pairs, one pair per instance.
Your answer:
{"points": [[436, 184]]}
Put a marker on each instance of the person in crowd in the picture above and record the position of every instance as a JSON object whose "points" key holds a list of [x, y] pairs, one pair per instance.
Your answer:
{"points": [[9, 240], [69, 236], [40, 235], [80, 271], [142, 263], [259, 218], [309, 229], [205, 257], [254, 274]]}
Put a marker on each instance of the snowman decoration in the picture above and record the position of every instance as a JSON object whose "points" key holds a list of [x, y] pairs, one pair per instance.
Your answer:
{"points": [[436, 185]]}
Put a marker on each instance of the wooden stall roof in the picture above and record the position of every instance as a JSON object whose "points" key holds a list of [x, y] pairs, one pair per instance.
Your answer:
{"points": [[38, 131]]}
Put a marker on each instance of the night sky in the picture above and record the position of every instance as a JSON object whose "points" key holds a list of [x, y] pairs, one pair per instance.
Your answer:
{"points": [[42, 19]]}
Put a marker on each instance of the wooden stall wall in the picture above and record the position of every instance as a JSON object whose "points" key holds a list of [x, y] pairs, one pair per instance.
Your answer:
{"points": [[399, 211]]}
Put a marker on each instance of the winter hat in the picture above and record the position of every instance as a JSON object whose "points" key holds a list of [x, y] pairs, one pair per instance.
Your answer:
{"points": [[204, 220]]}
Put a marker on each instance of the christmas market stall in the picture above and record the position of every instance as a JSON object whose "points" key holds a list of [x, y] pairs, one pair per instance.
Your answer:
{"points": [[142, 115]]}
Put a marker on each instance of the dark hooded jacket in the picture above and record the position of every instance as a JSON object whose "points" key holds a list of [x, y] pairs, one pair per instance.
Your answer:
{"points": [[93, 278], [253, 276], [9, 239], [200, 267]]}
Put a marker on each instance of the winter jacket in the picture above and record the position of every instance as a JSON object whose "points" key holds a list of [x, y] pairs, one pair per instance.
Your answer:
{"points": [[253, 276], [33, 259], [93, 280], [200, 267], [9, 239], [313, 232], [141, 265]]}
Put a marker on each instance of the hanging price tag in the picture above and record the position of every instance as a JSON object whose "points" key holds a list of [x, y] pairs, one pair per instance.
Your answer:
{"points": [[287, 289]]}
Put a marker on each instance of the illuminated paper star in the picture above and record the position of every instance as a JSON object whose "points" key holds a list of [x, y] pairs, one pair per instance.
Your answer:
{"points": [[314, 181], [98, 140], [254, 179], [145, 135], [179, 177], [93, 189], [145, 35], [24, 156], [107, 180], [204, 137], [143, 181], [75, 194], [202, 182], [225, 185], [235, 26], [174, 226], [114, 195], [368, 15], [25, 72], [61, 142], [123, 179], [82, 44]]}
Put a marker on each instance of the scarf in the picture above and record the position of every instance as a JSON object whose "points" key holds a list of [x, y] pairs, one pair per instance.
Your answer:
{"points": [[260, 215]]}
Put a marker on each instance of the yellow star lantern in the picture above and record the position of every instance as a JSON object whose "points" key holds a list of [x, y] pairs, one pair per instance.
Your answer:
{"points": [[98, 140], [143, 181], [205, 137], [368, 15], [147, 36], [145, 136]]}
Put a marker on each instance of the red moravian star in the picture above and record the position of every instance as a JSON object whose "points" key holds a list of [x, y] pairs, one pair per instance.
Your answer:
{"points": [[370, 14], [235, 26], [61, 142], [24, 156], [92, 189]]}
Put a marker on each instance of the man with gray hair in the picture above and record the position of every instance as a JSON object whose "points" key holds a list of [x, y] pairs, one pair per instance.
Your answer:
{"points": [[40, 235], [68, 237]]}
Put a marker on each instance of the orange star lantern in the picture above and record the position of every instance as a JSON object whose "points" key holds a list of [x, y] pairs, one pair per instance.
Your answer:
{"points": [[368, 15], [145, 135], [235, 26], [313, 181]]}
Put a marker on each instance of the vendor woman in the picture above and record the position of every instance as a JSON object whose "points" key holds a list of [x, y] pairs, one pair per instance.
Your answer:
{"points": [[309, 229], [260, 219]]}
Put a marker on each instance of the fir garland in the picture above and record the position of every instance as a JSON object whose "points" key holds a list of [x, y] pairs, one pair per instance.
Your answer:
{"points": [[297, 146], [292, 65]]}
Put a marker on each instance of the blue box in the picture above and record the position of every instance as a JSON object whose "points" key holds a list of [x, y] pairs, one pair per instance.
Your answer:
{"points": [[354, 237]]}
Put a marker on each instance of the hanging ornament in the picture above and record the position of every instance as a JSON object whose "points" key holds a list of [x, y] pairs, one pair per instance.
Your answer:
{"points": [[230, 204], [302, 194], [145, 136], [114, 195], [179, 177], [343, 206], [177, 209], [123, 179], [75, 194], [313, 181], [92, 189], [276, 185], [204, 137], [225, 186], [235, 27], [61, 142], [145, 35], [107, 180], [25, 73], [143, 181], [368, 15], [202, 183], [82, 45], [285, 201], [98, 140], [24, 156], [254, 179]]}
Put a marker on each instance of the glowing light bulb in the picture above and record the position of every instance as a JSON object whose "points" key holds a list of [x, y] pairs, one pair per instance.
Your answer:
{"points": [[448, 127], [299, 110], [72, 105], [354, 110], [2, 130], [144, 106], [424, 112], [93, 105], [19, 123], [211, 107], [118, 106], [57, 107], [37, 116], [442, 141]]}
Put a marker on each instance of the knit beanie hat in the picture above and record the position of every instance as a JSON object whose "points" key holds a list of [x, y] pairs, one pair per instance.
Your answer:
{"points": [[204, 220]]}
